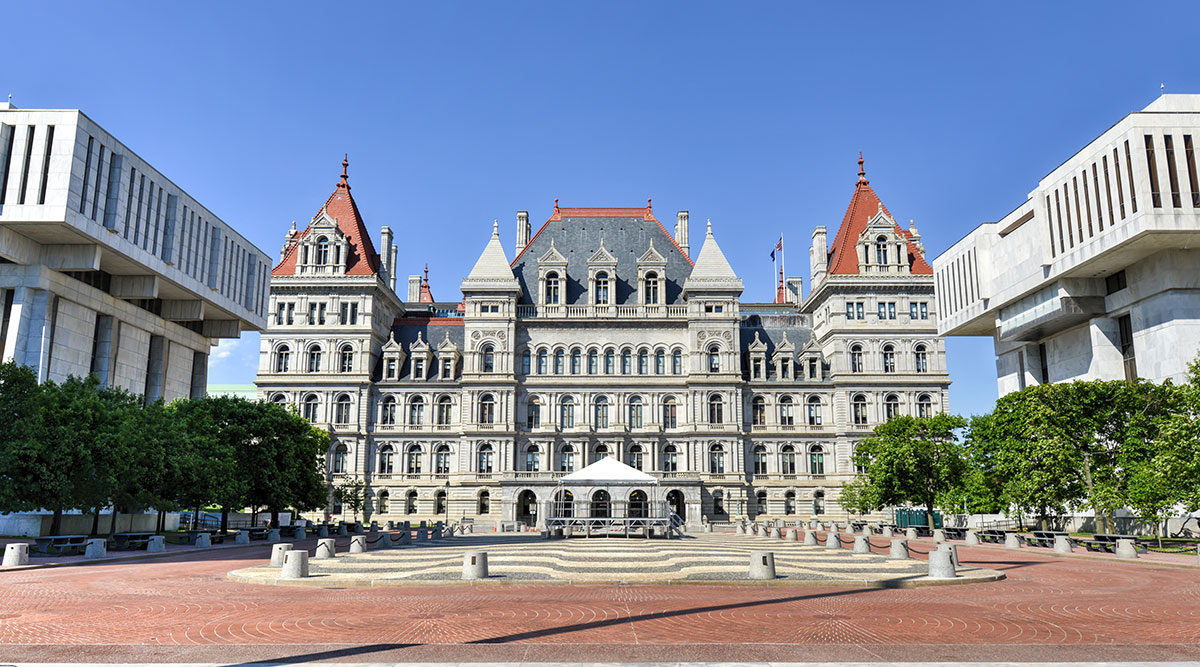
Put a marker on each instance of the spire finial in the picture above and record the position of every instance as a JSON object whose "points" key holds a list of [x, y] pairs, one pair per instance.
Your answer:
{"points": [[556, 204], [862, 172], [648, 207], [710, 226], [495, 228], [427, 274], [345, 183]]}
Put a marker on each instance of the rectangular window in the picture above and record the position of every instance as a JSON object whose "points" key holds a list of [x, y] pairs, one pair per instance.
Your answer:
{"points": [[1125, 327], [812, 369], [1129, 175], [1088, 204], [25, 167], [1050, 227], [1062, 247], [1172, 172], [1115, 283], [46, 163], [1066, 200], [1096, 191], [87, 175], [129, 202], [8, 158], [1190, 157], [1152, 173], [99, 180], [924, 310], [912, 310], [1120, 187], [1044, 362], [137, 214]]}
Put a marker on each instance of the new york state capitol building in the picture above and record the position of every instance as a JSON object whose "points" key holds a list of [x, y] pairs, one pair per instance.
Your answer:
{"points": [[603, 336]]}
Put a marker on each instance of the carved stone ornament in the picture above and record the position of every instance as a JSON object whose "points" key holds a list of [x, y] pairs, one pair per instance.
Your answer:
{"points": [[701, 335]]}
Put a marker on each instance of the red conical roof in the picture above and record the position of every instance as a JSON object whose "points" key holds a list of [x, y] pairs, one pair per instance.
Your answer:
{"points": [[864, 205], [426, 294], [361, 260]]}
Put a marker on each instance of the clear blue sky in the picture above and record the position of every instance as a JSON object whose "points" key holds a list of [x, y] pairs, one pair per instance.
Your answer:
{"points": [[751, 114]]}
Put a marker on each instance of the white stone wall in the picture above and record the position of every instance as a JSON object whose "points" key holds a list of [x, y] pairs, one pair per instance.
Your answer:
{"points": [[133, 347], [177, 376], [74, 330]]}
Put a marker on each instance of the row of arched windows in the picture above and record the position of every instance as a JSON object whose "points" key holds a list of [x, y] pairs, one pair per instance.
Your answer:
{"points": [[310, 407], [595, 362], [313, 359], [786, 411], [415, 412], [603, 412], [887, 359], [383, 502], [554, 292]]}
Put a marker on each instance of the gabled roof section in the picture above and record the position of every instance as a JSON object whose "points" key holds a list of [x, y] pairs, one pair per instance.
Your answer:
{"points": [[362, 259], [652, 256], [608, 470], [712, 270], [602, 255], [864, 206], [552, 256]]}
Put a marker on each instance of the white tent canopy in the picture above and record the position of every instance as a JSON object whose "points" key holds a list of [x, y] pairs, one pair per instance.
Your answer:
{"points": [[608, 471]]}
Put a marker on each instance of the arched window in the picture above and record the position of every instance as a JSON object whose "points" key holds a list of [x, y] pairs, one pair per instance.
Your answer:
{"points": [[576, 361], [920, 359], [441, 460], [635, 412], [567, 412], [789, 502], [485, 503], [651, 289], [670, 462], [889, 359], [283, 359], [308, 409], [859, 466], [718, 502], [881, 253], [787, 415], [525, 362], [314, 359], [819, 502], [669, 413], [856, 359], [610, 362], [533, 458], [602, 289], [716, 409], [386, 454], [677, 362], [487, 409], [322, 256], [564, 504], [279, 399], [553, 296], [566, 458], [643, 366], [858, 409], [533, 413], [489, 359], [543, 365], [410, 503], [484, 459], [760, 460], [758, 411], [814, 411], [891, 406], [443, 411], [601, 451], [346, 359], [413, 461], [381, 502], [714, 359], [924, 406], [416, 411], [716, 459], [787, 460], [601, 412], [341, 409], [338, 464], [635, 456], [626, 362], [816, 460], [593, 362], [600, 500], [760, 502], [559, 362], [660, 362]]}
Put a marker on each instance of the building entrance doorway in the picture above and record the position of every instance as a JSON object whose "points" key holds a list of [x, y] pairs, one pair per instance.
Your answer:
{"points": [[675, 500], [600, 502], [527, 508], [638, 507]]}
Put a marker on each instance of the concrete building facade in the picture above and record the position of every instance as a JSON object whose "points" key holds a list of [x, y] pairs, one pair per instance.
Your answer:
{"points": [[602, 336], [1097, 274], [109, 268]]}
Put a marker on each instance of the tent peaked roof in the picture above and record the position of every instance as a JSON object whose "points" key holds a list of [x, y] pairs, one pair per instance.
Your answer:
{"points": [[608, 471]]}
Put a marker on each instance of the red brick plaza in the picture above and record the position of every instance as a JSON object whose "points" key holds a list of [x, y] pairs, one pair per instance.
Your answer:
{"points": [[184, 608]]}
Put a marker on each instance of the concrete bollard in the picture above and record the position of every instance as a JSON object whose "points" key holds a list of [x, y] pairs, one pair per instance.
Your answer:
{"points": [[1063, 545], [866, 530], [790, 535], [273, 536], [342, 530], [774, 532], [203, 541], [358, 544], [953, 549], [754, 529], [391, 525], [322, 531], [939, 535], [326, 548], [295, 564], [1126, 548], [910, 533], [96, 548], [762, 565], [242, 537], [405, 537], [16, 554], [740, 529], [422, 534], [475, 565], [972, 538], [898, 550], [832, 541], [385, 541], [156, 545], [887, 531], [301, 534], [708, 528], [1012, 541], [862, 545], [810, 538], [374, 527], [277, 552], [941, 565], [833, 527], [358, 529]]}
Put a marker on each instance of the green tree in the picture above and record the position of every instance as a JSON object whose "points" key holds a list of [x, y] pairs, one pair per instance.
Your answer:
{"points": [[352, 496], [29, 476], [910, 460]]}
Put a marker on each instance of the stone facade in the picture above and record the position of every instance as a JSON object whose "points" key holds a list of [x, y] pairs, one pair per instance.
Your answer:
{"points": [[107, 267], [602, 337], [1094, 276]]}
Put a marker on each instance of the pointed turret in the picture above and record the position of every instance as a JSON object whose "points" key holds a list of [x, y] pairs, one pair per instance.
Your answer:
{"points": [[491, 271], [864, 207], [712, 271], [425, 295]]}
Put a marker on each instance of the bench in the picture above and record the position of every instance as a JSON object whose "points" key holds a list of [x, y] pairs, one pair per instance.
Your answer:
{"points": [[1043, 538], [216, 536], [130, 541], [60, 545], [1107, 542], [955, 533], [257, 532], [994, 535]]}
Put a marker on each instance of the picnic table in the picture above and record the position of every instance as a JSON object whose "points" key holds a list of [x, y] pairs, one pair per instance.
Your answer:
{"points": [[216, 535], [955, 533], [1044, 538], [996, 535], [60, 544], [1108, 542], [129, 541]]}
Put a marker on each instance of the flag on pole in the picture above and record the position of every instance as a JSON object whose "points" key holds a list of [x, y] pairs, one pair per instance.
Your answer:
{"points": [[778, 247]]}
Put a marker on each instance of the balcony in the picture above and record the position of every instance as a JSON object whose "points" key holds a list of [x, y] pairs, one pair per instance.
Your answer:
{"points": [[587, 312]]}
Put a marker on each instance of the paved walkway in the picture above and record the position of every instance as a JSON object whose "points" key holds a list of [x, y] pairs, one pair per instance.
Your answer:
{"points": [[184, 608]]}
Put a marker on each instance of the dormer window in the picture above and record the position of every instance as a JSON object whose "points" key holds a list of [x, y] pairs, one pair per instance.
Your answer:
{"points": [[418, 368], [391, 369], [602, 289], [602, 266], [553, 290], [881, 251], [447, 369], [322, 254], [650, 289]]}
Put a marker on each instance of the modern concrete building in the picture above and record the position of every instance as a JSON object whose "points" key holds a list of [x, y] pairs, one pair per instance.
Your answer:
{"points": [[600, 337], [1097, 274], [109, 268]]}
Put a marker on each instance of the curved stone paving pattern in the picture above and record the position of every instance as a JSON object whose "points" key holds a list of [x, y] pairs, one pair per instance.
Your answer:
{"points": [[709, 557]]}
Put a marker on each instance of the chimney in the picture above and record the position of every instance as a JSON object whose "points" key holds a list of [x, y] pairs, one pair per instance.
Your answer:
{"points": [[916, 237], [818, 256], [681, 231], [794, 285], [392, 264], [385, 238], [414, 289], [522, 230]]}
